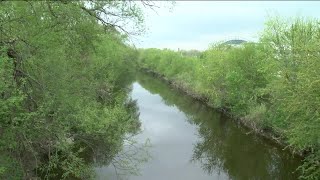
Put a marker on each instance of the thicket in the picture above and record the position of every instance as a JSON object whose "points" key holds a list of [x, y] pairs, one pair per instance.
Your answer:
{"points": [[65, 70], [270, 85]]}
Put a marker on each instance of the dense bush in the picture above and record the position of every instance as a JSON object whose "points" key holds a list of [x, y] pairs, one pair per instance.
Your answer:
{"points": [[272, 84], [64, 86]]}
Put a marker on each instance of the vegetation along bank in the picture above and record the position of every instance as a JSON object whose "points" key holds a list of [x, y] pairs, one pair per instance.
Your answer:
{"points": [[65, 75], [272, 85]]}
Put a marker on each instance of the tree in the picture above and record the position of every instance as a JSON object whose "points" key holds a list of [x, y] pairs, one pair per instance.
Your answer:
{"points": [[64, 83]]}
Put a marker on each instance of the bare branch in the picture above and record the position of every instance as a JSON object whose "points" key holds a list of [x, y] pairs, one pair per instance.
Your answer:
{"points": [[105, 23]]}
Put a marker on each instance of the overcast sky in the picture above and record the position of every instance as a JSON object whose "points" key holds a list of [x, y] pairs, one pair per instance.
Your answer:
{"points": [[196, 24]]}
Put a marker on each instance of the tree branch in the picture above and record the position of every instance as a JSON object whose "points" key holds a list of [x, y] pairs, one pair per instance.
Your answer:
{"points": [[105, 23]]}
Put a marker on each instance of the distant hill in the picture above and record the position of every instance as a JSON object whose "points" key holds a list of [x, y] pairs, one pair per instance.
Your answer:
{"points": [[235, 42]]}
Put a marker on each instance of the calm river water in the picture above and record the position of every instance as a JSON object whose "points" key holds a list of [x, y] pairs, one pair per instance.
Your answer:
{"points": [[190, 141]]}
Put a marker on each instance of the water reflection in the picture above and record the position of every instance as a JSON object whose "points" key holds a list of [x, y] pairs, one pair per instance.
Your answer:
{"points": [[222, 149]]}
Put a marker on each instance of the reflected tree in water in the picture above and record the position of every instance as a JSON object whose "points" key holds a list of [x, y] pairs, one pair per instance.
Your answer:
{"points": [[222, 146]]}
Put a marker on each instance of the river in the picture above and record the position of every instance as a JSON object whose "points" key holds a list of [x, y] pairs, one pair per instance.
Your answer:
{"points": [[190, 141]]}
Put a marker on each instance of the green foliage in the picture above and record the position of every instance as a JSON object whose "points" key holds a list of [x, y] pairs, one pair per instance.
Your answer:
{"points": [[295, 90], [65, 76], [272, 84]]}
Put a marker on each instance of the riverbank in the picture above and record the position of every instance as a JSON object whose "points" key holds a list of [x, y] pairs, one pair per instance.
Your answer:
{"points": [[64, 88], [193, 141], [266, 133], [273, 91]]}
